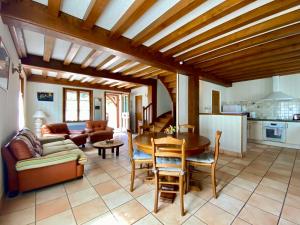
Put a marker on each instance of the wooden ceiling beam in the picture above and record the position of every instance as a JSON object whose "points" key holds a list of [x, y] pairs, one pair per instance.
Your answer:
{"points": [[253, 41], [253, 51], [94, 13], [135, 11], [120, 65], [19, 41], [54, 7], [90, 58], [33, 16], [240, 21], [201, 21], [134, 69], [169, 78], [37, 62], [107, 62], [74, 48], [268, 25], [49, 42], [154, 74], [172, 15], [65, 82], [145, 72]]}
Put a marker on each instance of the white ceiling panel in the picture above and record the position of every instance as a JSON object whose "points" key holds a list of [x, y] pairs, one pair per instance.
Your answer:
{"points": [[113, 12], [36, 72], [60, 49], [118, 61], [44, 2], [224, 19], [34, 42], [52, 74], [81, 54], [159, 8], [66, 75], [100, 58], [76, 8]]}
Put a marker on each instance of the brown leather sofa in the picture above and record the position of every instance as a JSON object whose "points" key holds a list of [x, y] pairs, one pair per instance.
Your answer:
{"points": [[30, 163], [61, 129], [98, 130]]}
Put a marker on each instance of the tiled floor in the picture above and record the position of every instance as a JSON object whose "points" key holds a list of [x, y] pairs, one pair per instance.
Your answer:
{"points": [[263, 188]]}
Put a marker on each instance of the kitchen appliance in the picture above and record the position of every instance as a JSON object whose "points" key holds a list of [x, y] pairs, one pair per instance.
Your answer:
{"points": [[277, 95], [274, 131], [296, 117], [232, 108]]}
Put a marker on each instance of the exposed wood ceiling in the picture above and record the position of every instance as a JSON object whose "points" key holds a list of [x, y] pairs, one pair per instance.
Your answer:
{"points": [[219, 41]]}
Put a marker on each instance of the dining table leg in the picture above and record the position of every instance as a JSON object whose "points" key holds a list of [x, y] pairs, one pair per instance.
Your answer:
{"points": [[103, 153]]}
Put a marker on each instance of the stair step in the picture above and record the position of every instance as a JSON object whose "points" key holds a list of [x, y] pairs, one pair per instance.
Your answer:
{"points": [[159, 124], [164, 119], [169, 79], [172, 85]]}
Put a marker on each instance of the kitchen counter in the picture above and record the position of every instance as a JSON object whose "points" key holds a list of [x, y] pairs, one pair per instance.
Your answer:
{"points": [[277, 120], [224, 114]]}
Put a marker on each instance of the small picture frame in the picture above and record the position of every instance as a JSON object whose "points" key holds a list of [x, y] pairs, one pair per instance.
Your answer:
{"points": [[4, 66], [45, 96]]}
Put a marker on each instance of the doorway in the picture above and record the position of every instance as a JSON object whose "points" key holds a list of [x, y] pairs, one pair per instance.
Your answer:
{"points": [[138, 111], [117, 110], [215, 102]]}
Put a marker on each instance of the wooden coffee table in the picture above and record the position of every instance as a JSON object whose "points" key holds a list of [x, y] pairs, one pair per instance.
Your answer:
{"points": [[102, 146]]}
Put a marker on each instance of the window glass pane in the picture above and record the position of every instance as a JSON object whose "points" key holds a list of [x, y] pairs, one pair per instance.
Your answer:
{"points": [[84, 105], [71, 106]]}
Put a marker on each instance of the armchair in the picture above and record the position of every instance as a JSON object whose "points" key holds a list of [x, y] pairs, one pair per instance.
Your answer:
{"points": [[98, 130]]}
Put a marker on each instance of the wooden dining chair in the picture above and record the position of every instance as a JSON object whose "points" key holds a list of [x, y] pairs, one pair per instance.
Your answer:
{"points": [[146, 128], [169, 160], [137, 157], [188, 127], [206, 159]]}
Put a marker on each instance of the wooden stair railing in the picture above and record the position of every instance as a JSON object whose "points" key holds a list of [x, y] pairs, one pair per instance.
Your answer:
{"points": [[147, 114]]}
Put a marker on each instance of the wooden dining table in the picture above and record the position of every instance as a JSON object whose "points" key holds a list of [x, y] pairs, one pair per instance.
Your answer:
{"points": [[195, 143]]}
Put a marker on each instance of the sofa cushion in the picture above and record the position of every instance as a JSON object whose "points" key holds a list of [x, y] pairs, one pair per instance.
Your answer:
{"points": [[96, 125], [37, 147], [58, 146], [20, 149]]}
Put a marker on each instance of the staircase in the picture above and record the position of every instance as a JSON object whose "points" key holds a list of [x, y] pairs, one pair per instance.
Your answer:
{"points": [[163, 121], [170, 83]]}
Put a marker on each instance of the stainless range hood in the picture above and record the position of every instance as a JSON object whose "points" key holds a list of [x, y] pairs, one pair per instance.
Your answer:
{"points": [[277, 95]]}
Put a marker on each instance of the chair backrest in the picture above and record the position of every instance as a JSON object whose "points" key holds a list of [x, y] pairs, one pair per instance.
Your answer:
{"points": [[130, 145], [217, 145], [188, 127], [146, 128], [168, 147]]}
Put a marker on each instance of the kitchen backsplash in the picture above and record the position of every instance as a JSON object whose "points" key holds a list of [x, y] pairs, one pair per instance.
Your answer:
{"points": [[274, 109]]}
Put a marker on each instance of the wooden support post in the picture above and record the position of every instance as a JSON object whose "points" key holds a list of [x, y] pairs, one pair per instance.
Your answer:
{"points": [[193, 102], [154, 100]]}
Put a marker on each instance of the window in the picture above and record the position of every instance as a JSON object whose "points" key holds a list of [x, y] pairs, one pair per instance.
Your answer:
{"points": [[77, 105]]}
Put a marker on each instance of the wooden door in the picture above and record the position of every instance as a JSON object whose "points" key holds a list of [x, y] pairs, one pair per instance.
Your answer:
{"points": [[215, 102], [138, 111]]}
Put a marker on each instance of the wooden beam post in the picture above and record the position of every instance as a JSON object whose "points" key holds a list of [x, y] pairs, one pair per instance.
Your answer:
{"points": [[154, 99], [193, 102]]}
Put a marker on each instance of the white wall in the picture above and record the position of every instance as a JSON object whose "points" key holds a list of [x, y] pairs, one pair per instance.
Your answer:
{"points": [[143, 91], [53, 110], [290, 85], [8, 99], [182, 102], [164, 101]]}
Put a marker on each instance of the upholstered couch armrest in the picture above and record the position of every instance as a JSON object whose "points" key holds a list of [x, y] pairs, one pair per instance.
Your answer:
{"points": [[39, 162], [109, 129], [46, 140], [65, 136], [88, 130]]}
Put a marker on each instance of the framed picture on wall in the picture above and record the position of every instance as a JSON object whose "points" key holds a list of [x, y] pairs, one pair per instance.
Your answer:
{"points": [[45, 96], [4, 66]]}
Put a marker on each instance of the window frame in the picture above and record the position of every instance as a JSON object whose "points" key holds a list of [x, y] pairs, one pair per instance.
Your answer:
{"points": [[78, 103]]}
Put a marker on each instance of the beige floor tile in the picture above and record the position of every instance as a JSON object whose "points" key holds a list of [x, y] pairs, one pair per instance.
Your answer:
{"points": [[237, 192], [230, 170], [50, 193], [193, 220], [63, 218], [117, 172], [77, 185], [94, 172], [235, 165], [106, 219], [191, 202], [266, 204], [278, 177], [139, 189], [130, 212], [89, 210], [292, 200], [125, 180], [21, 217], [274, 184], [250, 177], [148, 220], [52, 207], [23, 201], [257, 216], [291, 214], [117, 198], [239, 221], [83, 196], [270, 192], [99, 178], [147, 200], [228, 203], [107, 187], [243, 183], [170, 214], [285, 222], [213, 215], [295, 180]]}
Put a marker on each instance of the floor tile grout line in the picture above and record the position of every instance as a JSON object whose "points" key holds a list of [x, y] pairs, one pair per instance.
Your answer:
{"points": [[288, 185], [70, 204]]}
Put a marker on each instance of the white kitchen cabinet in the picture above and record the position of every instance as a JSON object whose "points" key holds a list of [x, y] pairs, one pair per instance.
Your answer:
{"points": [[255, 130], [292, 133]]}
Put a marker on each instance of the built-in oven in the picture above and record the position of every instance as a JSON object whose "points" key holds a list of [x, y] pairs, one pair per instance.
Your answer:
{"points": [[274, 131]]}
